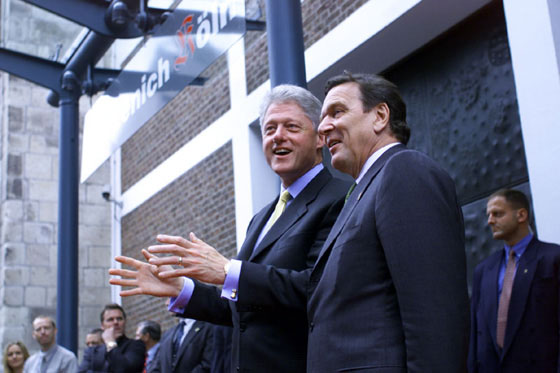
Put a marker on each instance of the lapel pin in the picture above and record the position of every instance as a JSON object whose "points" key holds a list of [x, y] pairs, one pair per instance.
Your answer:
{"points": [[196, 329], [525, 271]]}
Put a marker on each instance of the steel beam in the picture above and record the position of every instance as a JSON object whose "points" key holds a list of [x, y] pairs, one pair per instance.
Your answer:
{"points": [[68, 187], [40, 71], [285, 42], [94, 15]]}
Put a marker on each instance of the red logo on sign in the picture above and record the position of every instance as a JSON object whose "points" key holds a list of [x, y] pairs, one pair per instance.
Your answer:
{"points": [[185, 40]]}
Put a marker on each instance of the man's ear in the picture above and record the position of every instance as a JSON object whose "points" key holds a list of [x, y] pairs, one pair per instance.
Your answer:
{"points": [[381, 117], [522, 215]]}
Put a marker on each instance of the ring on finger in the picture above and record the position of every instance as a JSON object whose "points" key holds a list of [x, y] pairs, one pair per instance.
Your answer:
{"points": [[181, 260]]}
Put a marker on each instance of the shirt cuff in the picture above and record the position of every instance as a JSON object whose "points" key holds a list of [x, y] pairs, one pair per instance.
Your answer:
{"points": [[231, 283], [179, 303]]}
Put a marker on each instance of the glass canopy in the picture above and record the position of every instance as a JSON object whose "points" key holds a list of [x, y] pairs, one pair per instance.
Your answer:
{"points": [[31, 30]]}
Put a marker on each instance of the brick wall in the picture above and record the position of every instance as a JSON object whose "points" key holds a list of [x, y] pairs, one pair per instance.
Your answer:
{"points": [[318, 17], [201, 201], [190, 112]]}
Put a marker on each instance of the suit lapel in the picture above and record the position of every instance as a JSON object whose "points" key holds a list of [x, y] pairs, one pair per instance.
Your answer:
{"points": [[292, 214], [521, 285], [490, 285], [255, 228], [167, 347], [284, 222], [354, 199], [195, 328]]}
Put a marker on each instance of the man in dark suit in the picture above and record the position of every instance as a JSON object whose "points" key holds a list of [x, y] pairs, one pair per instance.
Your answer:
{"points": [[117, 354], [265, 339], [388, 292], [186, 348], [515, 297]]}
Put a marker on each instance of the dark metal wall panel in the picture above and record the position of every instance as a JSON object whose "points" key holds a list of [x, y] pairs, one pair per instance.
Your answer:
{"points": [[462, 105], [462, 109]]}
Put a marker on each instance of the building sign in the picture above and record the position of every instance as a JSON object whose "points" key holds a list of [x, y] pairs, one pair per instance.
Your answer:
{"points": [[195, 34]]}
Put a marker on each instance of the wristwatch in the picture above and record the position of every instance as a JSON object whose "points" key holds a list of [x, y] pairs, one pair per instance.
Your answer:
{"points": [[110, 345]]}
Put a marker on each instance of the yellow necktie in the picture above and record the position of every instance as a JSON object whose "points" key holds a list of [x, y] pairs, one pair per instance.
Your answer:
{"points": [[280, 206]]}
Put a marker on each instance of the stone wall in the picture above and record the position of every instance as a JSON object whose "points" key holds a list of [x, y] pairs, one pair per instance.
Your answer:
{"points": [[29, 192], [29, 219]]}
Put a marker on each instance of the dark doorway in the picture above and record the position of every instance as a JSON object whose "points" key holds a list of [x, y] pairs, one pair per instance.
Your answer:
{"points": [[462, 109]]}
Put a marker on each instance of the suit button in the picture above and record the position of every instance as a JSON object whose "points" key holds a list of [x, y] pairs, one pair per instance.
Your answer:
{"points": [[238, 369], [311, 325]]}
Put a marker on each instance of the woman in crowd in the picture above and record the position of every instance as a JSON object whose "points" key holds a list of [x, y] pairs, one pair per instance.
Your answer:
{"points": [[15, 355]]}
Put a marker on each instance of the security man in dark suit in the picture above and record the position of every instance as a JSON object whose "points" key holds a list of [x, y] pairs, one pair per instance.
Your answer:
{"points": [[288, 233], [186, 348], [515, 299]]}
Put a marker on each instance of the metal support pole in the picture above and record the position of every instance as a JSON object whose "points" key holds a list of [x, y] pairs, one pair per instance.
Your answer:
{"points": [[67, 287], [285, 42]]}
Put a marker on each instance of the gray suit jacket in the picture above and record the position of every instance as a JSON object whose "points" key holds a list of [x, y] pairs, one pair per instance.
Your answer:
{"points": [[274, 339], [389, 292]]}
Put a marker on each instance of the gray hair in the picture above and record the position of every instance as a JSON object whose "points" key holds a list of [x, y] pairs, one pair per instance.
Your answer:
{"points": [[287, 93]]}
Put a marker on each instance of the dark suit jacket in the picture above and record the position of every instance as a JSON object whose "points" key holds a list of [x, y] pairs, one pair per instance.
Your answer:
{"points": [[221, 345], [389, 290], [274, 339], [194, 355], [127, 357], [531, 340]]}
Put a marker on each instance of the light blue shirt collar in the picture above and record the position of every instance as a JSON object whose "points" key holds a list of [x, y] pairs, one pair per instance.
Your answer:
{"points": [[297, 186], [519, 247], [152, 351]]}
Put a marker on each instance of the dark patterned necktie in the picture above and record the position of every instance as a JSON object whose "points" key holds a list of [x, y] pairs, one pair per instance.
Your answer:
{"points": [[178, 337]]}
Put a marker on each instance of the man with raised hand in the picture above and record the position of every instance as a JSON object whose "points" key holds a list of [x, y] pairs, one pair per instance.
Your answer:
{"points": [[287, 234], [118, 353]]}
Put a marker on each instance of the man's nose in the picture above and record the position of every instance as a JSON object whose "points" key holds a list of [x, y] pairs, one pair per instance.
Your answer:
{"points": [[325, 126], [279, 134]]}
